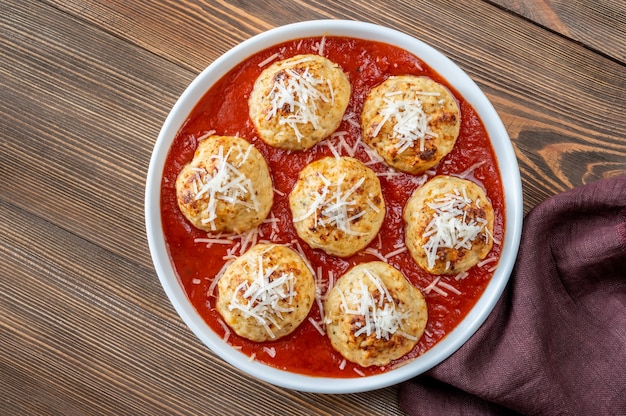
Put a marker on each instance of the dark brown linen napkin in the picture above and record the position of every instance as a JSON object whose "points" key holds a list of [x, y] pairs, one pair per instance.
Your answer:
{"points": [[555, 343]]}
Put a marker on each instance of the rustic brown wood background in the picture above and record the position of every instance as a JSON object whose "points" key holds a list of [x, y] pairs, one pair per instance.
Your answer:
{"points": [[85, 327]]}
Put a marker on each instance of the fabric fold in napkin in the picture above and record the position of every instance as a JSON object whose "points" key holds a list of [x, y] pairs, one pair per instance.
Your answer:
{"points": [[555, 343]]}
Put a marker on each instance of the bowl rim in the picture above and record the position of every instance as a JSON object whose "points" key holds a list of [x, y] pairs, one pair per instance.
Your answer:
{"points": [[507, 163]]}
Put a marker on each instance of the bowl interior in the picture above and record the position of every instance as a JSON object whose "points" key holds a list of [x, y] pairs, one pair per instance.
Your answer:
{"points": [[460, 81]]}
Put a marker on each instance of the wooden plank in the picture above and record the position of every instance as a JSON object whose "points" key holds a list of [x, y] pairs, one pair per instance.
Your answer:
{"points": [[600, 25], [84, 111]]}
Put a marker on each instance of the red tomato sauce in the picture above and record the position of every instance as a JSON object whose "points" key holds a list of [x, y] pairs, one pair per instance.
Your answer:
{"points": [[224, 109]]}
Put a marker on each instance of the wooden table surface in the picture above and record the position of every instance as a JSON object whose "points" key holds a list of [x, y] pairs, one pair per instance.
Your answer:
{"points": [[85, 327]]}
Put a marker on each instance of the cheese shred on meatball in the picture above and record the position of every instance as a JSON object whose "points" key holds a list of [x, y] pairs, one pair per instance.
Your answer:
{"points": [[297, 102], [337, 205], [374, 315], [449, 225], [226, 187], [412, 122], [266, 293]]}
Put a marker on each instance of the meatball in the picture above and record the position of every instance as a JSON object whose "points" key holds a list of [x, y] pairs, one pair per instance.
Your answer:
{"points": [[337, 205], [297, 102], [411, 121], [226, 187], [374, 315], [266, 293], [448, 225]]}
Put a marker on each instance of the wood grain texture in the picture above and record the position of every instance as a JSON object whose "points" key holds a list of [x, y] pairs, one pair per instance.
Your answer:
{"points": [[599, 25], [85, 327], [75, 96]]}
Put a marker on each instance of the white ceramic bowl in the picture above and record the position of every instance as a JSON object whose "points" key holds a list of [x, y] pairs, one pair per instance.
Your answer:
{"points": [[460, 81]]}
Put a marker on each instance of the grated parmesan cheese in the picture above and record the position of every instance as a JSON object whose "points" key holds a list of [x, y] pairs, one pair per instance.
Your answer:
{"points": [[338, 145], [450, 227], [449, 287], [440, 291], [487, 261], [226, 183], [461, 276], [206, 135], [395, 252], [296, 243], [376, 253], [382, 318], [471, 169], [331, 282], [317, 326], [319, 47], [271, 351], [269, 59], [333, 207], [218, 276], [432, 284], [411, 123], [226, 329], [299, 93], [264, 298], [332, 148], [352, 119]]}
